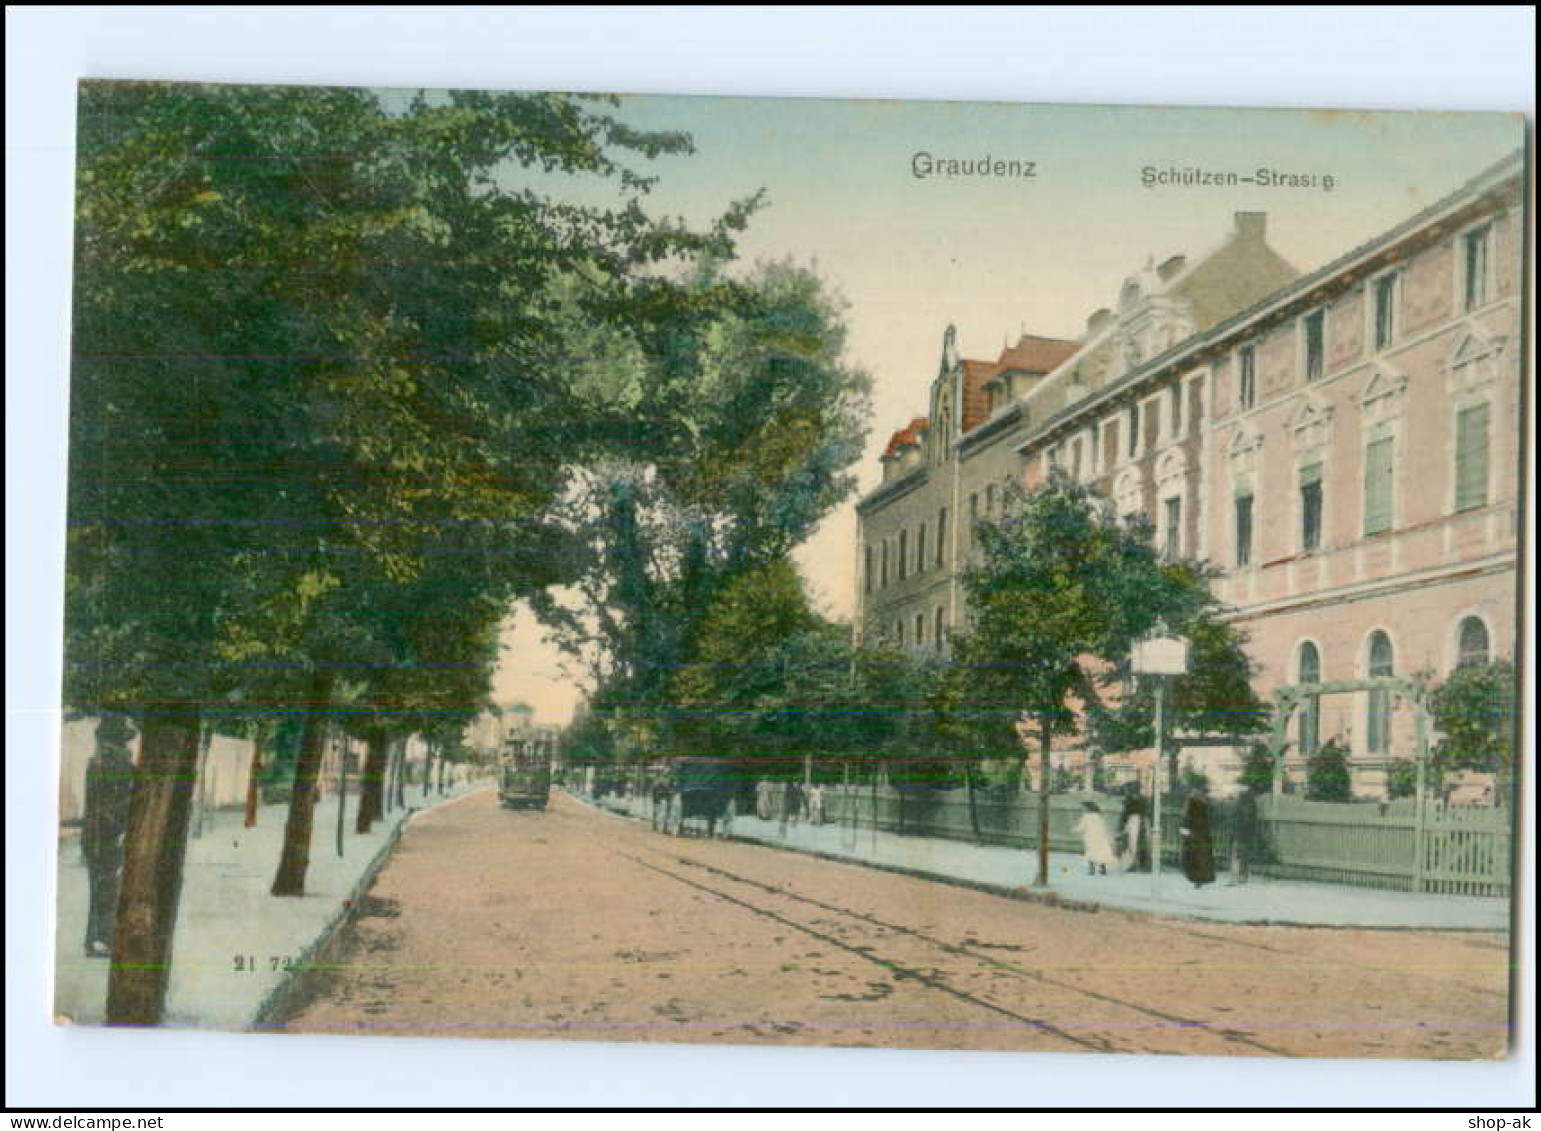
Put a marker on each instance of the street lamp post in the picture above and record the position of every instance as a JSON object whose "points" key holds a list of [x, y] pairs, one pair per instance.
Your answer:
{"points": [[1159, 656]]}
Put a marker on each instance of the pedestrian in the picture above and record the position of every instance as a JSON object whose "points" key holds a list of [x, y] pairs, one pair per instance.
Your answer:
{"points": [[791, 804], [1198, 842], [816, 805], [1096, 841], [1132, 824], [1246, 836], [109, 789]]}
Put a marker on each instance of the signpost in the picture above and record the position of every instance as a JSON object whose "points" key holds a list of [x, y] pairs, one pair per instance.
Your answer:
{"points": [[1159, 657]]}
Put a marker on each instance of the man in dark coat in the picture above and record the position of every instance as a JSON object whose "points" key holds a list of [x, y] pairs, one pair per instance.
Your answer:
{"points": [[1198, 842], [1246, 840], [109, 787]]}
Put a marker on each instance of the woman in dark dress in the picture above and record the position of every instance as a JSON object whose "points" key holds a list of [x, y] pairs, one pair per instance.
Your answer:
{"points": [[1198, 842]]}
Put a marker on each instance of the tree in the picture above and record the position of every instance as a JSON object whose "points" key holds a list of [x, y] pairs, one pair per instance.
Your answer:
{"points": [[1474, 711], [1060, 591], [313, 333], [744, 419], [1327, 773]]}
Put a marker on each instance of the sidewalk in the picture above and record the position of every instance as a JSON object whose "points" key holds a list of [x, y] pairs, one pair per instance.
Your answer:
{"points": [[227, 914], [1261, 901]]}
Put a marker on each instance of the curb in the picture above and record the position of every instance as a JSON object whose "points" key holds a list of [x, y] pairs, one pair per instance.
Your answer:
{"points": [[273, 1003]]}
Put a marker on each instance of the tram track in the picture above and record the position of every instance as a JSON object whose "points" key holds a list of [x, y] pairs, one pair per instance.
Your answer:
{"points": [[1151, 1018]]}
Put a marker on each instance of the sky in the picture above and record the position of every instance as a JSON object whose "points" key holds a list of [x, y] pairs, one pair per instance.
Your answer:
{"points": [[997, 256]]}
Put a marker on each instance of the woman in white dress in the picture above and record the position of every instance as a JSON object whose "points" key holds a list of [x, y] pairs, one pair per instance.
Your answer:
{"points": [[1096, 841]]}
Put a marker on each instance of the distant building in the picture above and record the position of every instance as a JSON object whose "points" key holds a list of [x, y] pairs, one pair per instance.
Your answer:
{"points": [[1344, 445]]}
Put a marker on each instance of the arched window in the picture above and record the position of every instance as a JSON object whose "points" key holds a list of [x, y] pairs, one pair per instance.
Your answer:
{"points": [[1310, 671], [1382, 663], [1472, 645], [940, 639]]}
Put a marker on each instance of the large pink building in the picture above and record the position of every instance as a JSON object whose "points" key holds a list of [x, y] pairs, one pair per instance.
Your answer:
{"points": [[1343, 445]]}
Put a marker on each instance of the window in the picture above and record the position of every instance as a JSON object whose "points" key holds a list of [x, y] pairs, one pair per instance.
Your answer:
{"points": [[989, 500], [1310, 671], [1075, 460], [1316, 345], [939, 637], [1472, 644], [1385, 311], [1246, 383], [1174, 412], [883, 583], [1243, 529], [973, 517], [920, 629], [1172, 535], [1134, 430], [904, 553], [867, 570], [1311, 508], [1378, 477], [899, 633], [1477, 246], [1471, 457], [920, 548], [941, 534], [1382, 663]]}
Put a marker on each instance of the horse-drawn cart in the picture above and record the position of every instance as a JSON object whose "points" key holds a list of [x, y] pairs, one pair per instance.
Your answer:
{"points": [[693, 789]]}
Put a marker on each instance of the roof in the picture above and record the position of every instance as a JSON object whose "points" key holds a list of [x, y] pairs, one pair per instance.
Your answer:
{"points": [[1033, 354], [909, 434]]}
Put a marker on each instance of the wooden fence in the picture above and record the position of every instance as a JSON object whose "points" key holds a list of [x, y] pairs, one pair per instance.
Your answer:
{"points": [[1466, 849]]}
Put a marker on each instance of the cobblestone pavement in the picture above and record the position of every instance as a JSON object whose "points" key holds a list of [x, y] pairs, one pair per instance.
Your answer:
{"points": [[576, 924]]}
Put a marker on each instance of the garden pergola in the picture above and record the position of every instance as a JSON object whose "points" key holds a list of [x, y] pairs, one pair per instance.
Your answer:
{"points": [[1290, 698]]}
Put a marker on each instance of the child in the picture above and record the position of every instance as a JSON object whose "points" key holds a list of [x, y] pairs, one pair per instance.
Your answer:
{"points": [[1096, 841]]}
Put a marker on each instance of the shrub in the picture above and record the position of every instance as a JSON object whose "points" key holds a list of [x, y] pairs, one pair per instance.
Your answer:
{"points": [[1327, 774]]}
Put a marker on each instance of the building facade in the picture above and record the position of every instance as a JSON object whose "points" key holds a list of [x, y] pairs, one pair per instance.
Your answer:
{"points": [[1344, 446]]}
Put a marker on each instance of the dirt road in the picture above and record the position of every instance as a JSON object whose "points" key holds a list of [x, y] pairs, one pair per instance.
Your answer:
{"points": [[575, 924]]}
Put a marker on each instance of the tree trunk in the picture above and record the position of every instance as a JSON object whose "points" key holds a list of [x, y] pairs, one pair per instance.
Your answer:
{"points": [[200, 800], [342, 789], [441, 774], [295, 859], [254, 778], [401, 773], [372, 783], [1043, 805], [973, 807], [155, 848], [427, 769]]}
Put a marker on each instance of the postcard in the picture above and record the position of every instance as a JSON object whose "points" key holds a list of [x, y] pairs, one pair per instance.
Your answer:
{"points": [[788, 571]]}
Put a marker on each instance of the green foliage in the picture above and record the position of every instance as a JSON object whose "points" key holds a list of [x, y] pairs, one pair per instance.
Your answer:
{"points": [[1401, 778], [1059, 594], [1327, 773], [1474, 712], [771, 681], [1215, 697], [1257, 769], [322, 393], [1193, 778]]}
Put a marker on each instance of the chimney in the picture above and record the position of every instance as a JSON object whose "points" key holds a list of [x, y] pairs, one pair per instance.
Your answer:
{"points": [[1097, 319], [1252, 226], [1171, 267]]}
